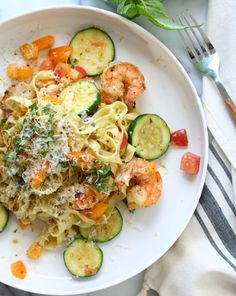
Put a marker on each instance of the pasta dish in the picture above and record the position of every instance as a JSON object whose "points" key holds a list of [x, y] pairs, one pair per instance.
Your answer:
{"points": [[73, 145]]}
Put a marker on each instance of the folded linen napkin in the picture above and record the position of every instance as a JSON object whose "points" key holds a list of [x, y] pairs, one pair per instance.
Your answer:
{"points": [[222, 32], [203, 260]]}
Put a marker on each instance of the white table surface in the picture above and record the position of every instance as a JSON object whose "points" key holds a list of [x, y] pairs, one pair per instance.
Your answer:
{"points": [[198, 8]]}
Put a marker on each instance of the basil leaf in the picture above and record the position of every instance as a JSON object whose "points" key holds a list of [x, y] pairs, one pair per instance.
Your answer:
{"points": [[128, 8], [153, 10]]}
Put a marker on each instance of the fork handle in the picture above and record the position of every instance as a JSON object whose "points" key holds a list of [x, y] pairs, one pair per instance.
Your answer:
{"points": [[226, 97]]}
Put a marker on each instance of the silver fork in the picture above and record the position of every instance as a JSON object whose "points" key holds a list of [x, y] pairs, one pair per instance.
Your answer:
{"points": [[204, 57]]}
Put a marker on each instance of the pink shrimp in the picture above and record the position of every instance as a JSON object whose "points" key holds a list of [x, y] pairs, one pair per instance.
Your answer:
{"points": [[122, 81], [141, 183]]}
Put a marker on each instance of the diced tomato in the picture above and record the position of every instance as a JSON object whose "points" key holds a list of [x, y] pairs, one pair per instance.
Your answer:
{"points": [[59, 73], [29, 51], [179, 138], [22, 225], [47, 65], [34, 251], [124, 142], [40, 175], [44, 42], [60, 54], [15, 71], [61, 70], [190, 163], [81, 71], [18, 269]]}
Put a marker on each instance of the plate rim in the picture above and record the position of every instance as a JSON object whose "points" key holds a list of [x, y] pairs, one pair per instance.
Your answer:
{"points": [[149, 35]]}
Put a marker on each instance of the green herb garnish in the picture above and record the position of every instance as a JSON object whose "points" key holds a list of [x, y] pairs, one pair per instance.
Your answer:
{"points": [[153, 10], [100, 177], [2, 122], [32, 133], [9, 156]]}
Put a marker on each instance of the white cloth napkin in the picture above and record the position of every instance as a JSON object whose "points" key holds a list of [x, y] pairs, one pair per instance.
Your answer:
{"points": [[203, 260], [222, 32]]}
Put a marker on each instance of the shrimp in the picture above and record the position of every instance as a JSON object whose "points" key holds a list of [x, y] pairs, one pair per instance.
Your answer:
{"points": [[86, 197], [122, 81], [141, 183]]}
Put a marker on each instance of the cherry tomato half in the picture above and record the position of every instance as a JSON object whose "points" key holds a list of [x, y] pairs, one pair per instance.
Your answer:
{"points": [[61, 70], [179, 138], [190, 163], [47, 65], [124, 143], [60, 54]]}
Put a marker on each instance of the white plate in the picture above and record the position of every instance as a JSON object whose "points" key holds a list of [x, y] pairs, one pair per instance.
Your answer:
{"points": [[148, 233]]}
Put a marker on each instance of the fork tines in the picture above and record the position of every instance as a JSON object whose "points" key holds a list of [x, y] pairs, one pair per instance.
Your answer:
{"points": [[194, 39]]}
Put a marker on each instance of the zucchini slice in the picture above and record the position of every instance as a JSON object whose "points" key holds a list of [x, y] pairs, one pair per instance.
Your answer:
{"points": [[105, 232], [81, 97], [83, 258], [93, 49], [4, 216], [150, 135]]}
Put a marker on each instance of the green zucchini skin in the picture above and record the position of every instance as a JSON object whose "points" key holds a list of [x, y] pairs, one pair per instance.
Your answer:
{"points": [[105, 232], [150, 135], [86, 54], [83, 258], [4, 217], [81, 97]]}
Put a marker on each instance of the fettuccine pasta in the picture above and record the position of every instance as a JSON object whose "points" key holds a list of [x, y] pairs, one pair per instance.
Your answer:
{"points": [[69, 146]]}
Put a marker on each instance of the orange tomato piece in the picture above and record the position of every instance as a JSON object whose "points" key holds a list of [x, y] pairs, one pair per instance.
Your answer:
{"points": [[29, 51], [18, 269], [22, 225], [34, 252], [97, 211], [19, 72], [47, 65], [55, 101], [60, 54], [44, 42], [40, 175]]}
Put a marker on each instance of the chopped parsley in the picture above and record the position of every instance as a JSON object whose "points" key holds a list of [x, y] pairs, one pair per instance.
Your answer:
{"points": [[9, 156], [2, 122], [100, 177], [37, 130]]}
